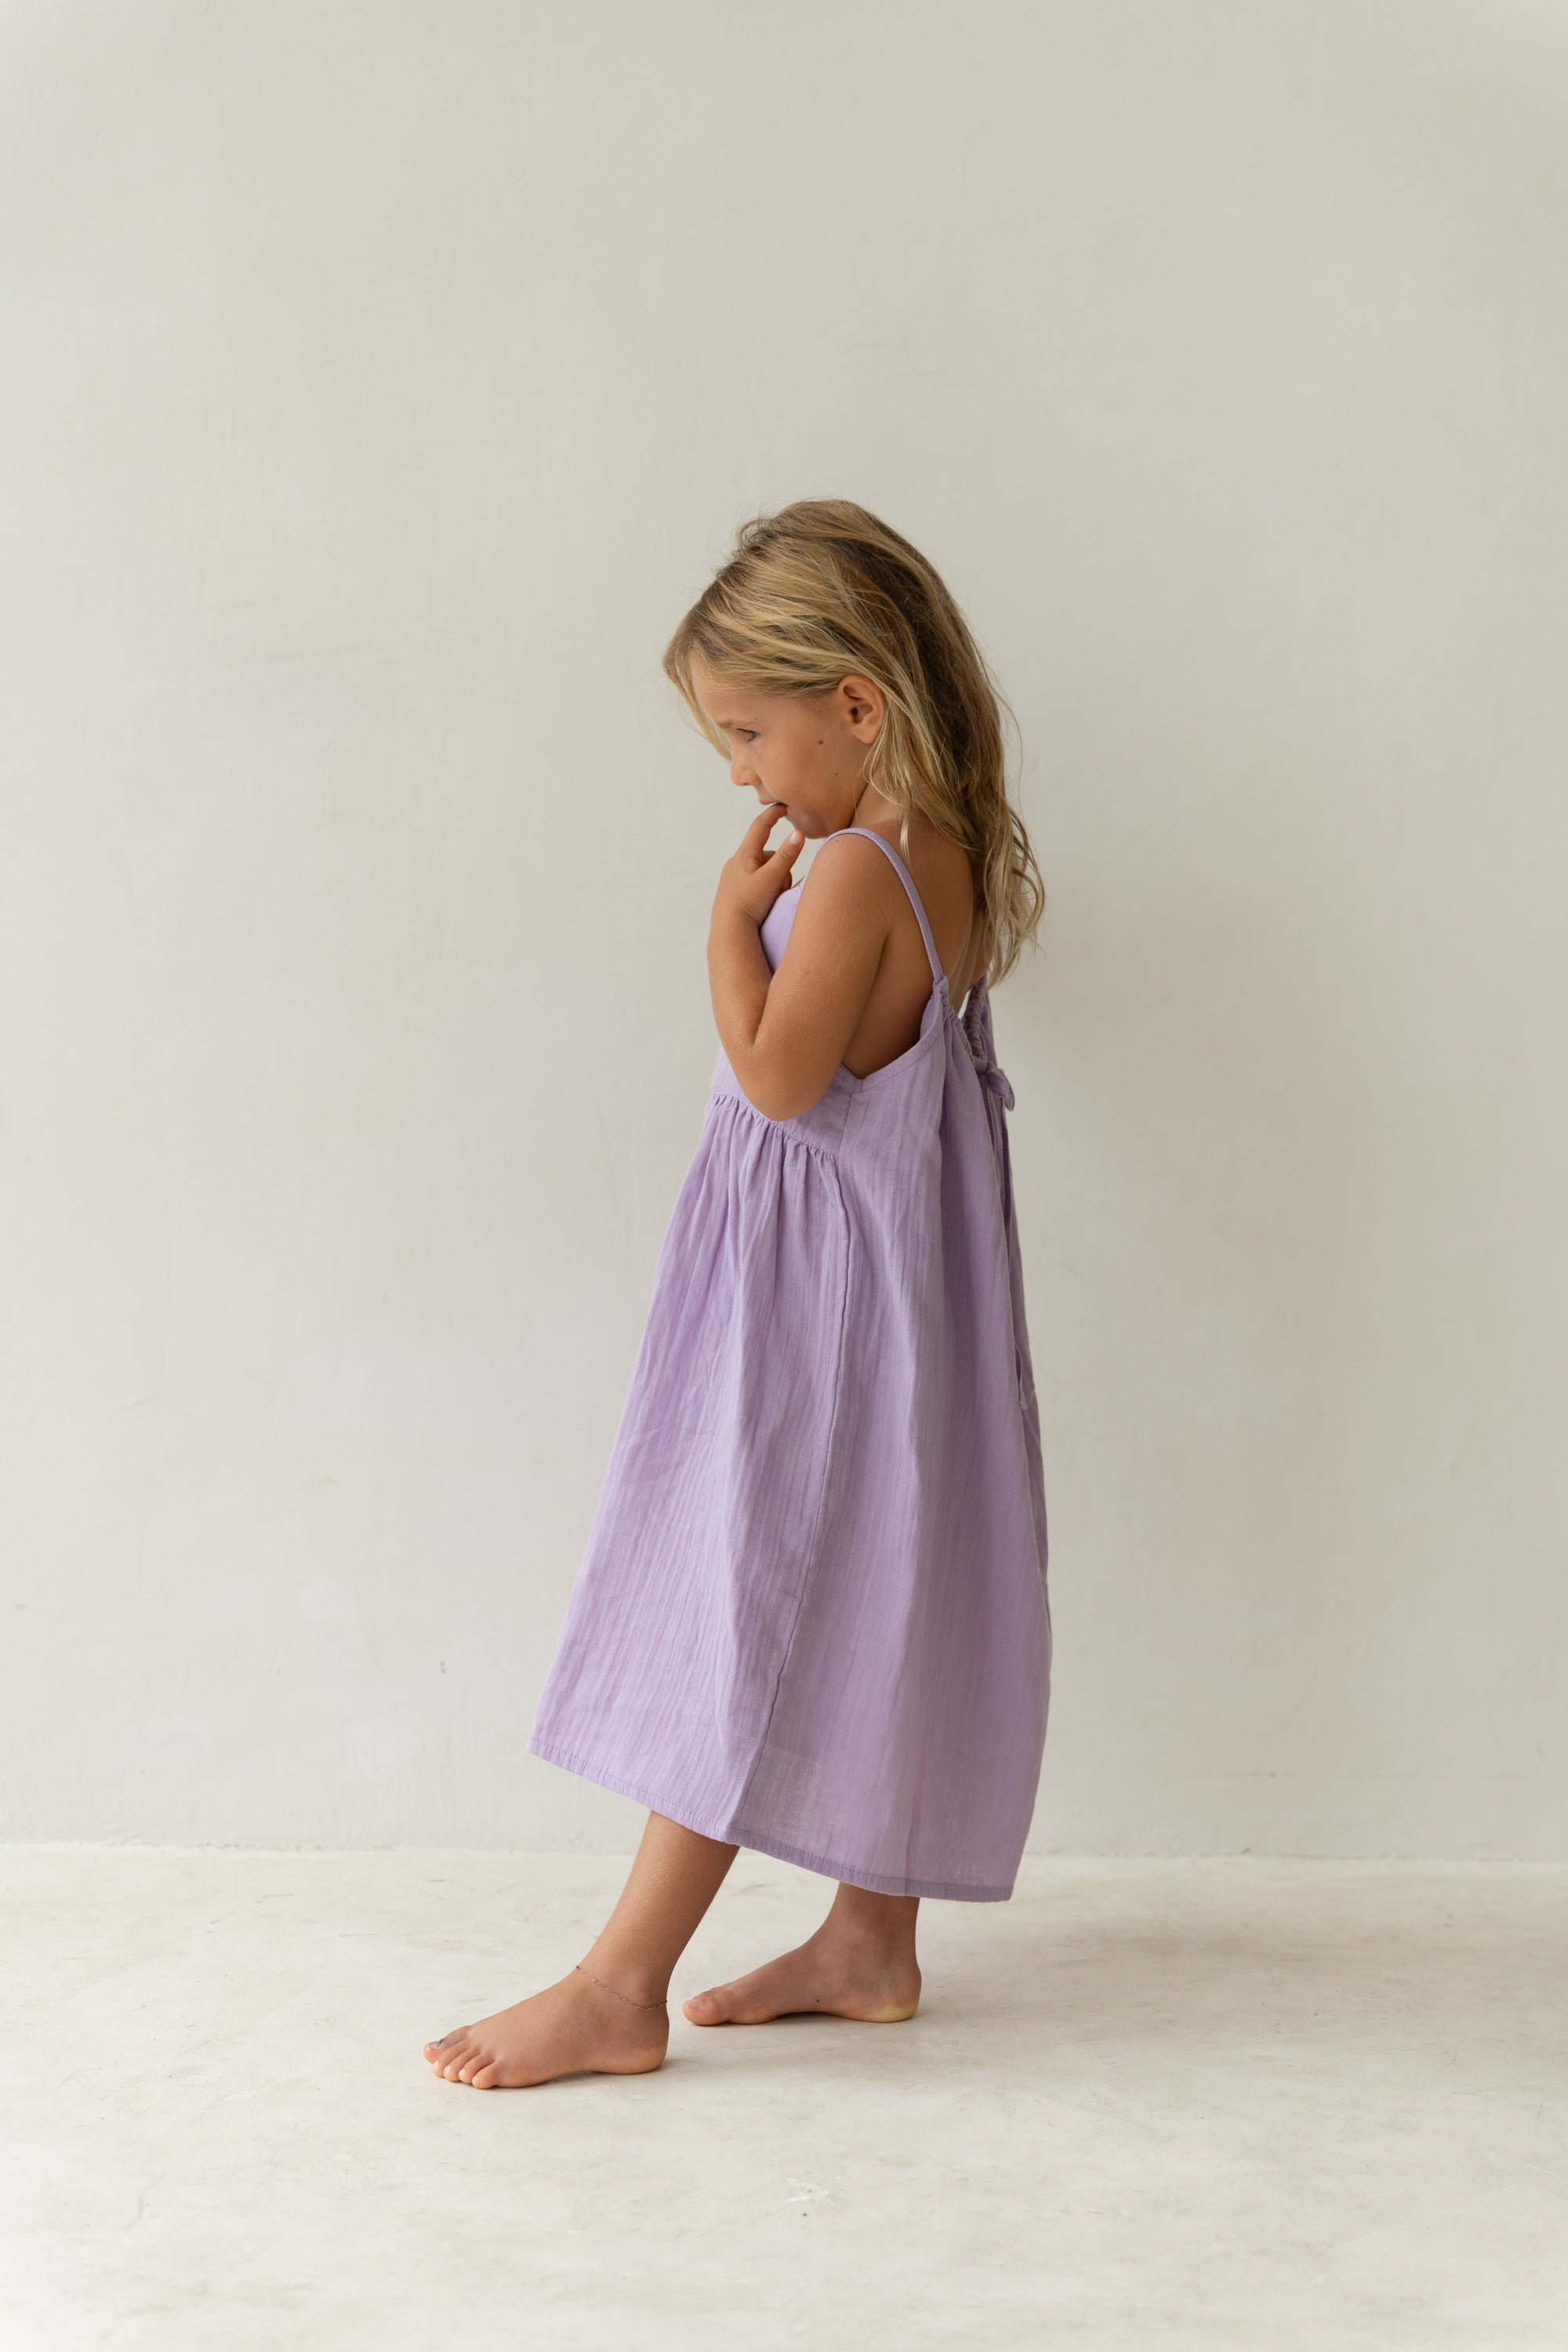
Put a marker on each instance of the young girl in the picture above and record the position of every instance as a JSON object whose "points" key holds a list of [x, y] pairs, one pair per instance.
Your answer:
{"points": [[812, 1617]]}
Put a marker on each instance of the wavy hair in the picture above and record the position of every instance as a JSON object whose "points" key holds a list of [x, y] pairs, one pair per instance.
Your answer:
{"points": [[822, 589]]}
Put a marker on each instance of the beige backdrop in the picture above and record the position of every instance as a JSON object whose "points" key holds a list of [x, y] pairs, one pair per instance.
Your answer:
{"points": [[380, 384]]}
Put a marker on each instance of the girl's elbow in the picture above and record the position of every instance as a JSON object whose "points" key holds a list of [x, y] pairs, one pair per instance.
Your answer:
{"points": [[782, 1094]]}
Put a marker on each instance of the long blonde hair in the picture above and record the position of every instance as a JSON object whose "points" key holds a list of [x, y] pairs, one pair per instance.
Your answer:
{"points": [[822, 589]]}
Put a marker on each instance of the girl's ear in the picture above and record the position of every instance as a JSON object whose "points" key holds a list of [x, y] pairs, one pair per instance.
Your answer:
{"points": [[864, 705]]}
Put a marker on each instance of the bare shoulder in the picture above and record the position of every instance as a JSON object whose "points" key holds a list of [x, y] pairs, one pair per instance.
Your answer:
{"points": [[853, 861], [854, 885]]}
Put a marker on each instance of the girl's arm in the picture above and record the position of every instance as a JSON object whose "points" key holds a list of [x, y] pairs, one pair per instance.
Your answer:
{"points": [[784, 1034]]}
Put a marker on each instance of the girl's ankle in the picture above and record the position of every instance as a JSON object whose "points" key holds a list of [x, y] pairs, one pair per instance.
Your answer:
{"points": [[632, 1983], [868, 1947]]}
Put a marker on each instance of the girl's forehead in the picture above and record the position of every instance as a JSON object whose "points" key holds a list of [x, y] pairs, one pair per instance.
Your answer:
{"points": [[726, 703]]}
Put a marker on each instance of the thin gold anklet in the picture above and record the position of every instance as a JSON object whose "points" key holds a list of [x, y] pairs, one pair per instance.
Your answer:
{"points": [[630, 2003]]}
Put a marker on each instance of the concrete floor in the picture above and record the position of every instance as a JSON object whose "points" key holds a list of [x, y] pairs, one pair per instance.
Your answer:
{"points": [[1151, 2103]]}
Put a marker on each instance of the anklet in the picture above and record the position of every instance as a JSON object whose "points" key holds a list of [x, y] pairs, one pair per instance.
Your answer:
{"points": [[630, 2003]]}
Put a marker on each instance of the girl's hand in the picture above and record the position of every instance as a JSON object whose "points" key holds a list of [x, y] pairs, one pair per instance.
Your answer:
{"points": [[752, 880]]}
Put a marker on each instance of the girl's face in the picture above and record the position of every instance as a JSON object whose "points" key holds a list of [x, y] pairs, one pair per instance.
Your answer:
{"points": [[806, 750]]}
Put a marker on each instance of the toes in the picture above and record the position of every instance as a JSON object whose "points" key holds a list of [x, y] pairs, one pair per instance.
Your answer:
{"points": [[484, 2079], [704, 2009]]}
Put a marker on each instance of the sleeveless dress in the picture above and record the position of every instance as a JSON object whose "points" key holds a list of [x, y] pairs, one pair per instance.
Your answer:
{"points": [[812, 1617]]}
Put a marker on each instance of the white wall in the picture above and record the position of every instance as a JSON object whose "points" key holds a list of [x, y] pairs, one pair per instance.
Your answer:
{"points": [[382, 382]]}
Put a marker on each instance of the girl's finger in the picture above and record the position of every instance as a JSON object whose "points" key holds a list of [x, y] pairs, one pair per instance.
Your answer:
{"points": [[761, 824]]}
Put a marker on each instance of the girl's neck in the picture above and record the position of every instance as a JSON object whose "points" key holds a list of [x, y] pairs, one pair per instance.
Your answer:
{"points": [[875, 813]]}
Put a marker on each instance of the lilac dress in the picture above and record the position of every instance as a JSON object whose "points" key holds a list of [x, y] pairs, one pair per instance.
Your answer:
{"points": [[812, 1617]]}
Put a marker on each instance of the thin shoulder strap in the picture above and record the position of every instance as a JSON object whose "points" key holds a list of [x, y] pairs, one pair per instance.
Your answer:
{"points": [[907, 881]]}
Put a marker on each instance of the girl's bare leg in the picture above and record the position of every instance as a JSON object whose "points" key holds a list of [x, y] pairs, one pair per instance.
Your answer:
{"points": [[606, 2017], [860, 1963]]}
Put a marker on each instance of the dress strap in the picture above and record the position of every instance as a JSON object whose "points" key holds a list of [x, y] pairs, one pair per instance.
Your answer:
{"points": [[907, 878]]}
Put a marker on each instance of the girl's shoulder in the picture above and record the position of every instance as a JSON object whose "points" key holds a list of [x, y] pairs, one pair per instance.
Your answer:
{"points": [[943, 877]]}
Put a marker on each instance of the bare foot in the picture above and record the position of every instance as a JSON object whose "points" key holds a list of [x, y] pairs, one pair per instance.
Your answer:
{"points": [[575, 2027], [827, 1976]]}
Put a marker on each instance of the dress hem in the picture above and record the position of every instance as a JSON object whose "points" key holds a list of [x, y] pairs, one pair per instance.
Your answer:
{"points": [[735, 1832]]}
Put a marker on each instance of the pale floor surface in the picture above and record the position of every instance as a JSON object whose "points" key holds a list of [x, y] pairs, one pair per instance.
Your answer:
{"points": [[1153, 2104]]}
